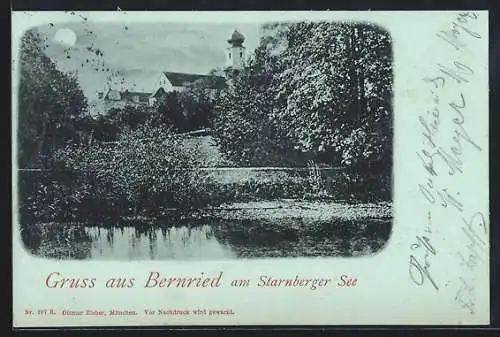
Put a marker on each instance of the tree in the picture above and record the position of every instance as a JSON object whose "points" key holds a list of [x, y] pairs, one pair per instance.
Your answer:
{"points": [[128, 117], [199, 98], [50, 102], [243, 127], [169, 112], [148, 168], [336, 80], [320, 88], [101, 128]]}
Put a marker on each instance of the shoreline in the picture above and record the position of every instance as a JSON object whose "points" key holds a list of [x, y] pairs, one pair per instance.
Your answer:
{"points": [[280, 212]]}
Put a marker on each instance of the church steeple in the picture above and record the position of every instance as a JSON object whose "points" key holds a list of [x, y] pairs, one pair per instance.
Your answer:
{"points": [[236, 39], [235, 54]]}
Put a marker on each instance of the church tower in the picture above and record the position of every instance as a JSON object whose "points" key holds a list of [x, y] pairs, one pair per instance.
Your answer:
{"points": [[235, 54]]}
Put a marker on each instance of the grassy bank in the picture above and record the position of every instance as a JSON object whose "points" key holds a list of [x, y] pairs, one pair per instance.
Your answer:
{"points": [[69, 196]]}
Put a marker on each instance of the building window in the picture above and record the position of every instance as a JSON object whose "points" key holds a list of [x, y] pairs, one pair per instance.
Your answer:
{"points": [[229, 55], [241, 54]]}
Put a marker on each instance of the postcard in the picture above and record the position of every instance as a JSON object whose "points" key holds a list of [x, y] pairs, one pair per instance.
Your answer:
{"points": [[250, 168]]}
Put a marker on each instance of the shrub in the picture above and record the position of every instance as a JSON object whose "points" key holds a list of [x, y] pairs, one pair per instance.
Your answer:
{"points": [[46, 196], [147, 169]]}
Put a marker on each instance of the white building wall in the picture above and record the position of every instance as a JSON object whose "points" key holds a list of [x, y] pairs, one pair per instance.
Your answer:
{"points": [[164, 83], [235, 57]]}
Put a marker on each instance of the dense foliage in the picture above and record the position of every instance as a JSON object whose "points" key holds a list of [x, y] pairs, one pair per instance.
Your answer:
{"points": [[89, 196], [244, 131], [50, 104], [198, 101], [147, 168], [323, 89]]}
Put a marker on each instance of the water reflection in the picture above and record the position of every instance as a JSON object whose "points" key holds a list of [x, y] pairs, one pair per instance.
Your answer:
{"points": [[61, 241], [210, 239], [156, 243]]}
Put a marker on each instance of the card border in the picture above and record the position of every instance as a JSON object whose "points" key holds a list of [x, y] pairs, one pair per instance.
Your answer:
{"points": [[494, 52]]}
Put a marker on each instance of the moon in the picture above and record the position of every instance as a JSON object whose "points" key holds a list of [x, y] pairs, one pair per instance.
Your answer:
{"points": [[65, 36]]}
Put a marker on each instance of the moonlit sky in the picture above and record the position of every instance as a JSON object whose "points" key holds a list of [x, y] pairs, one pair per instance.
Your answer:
{"points": [[135, 54]]}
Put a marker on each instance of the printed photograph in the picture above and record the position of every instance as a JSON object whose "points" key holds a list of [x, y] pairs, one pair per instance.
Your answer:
{"points": [[204, 141]]}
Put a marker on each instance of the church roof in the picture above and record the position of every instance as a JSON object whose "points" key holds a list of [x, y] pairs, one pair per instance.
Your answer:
{"points": [[126, 95], [183, 79], [129, 95], [158, 92]]}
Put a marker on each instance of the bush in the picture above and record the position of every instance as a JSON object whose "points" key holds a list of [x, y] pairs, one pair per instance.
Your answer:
{"points": [[147, 170], [48, 196], [151, 170], [348, 185]]}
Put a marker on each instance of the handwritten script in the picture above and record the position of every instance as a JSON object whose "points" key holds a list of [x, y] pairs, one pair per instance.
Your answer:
{"points": [[446, 144]]}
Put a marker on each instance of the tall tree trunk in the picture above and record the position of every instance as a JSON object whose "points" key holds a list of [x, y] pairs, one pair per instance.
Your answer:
{"points": [[362, 108], [42, 141], [356, 45], [353, 74]]}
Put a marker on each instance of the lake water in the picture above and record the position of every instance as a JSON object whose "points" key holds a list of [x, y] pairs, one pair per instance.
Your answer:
{"points": [[156, 243], [208, 240]]}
